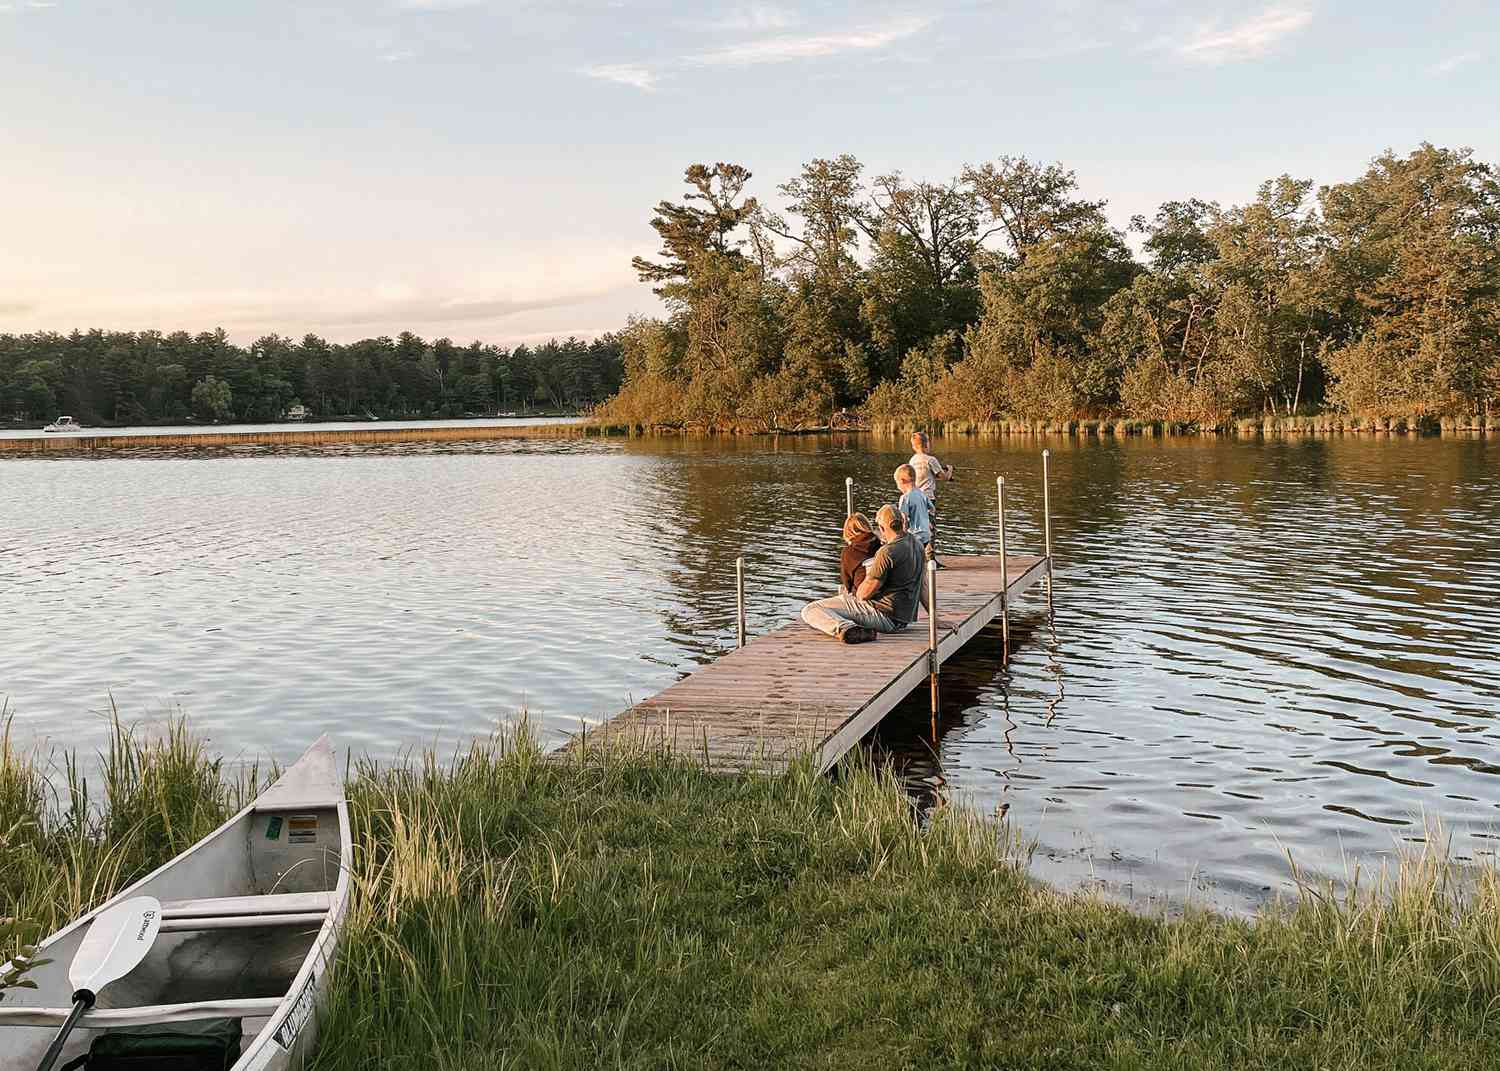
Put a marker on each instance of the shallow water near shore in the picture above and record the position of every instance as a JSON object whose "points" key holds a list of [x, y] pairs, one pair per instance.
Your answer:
{"points": [[1260, 648]]}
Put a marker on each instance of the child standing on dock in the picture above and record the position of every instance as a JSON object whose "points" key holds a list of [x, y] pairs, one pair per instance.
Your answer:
{"points": [[929, 470], [914, 507]]}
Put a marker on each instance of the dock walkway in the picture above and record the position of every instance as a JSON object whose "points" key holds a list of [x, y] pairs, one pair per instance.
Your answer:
{"points": [[795, 690]]}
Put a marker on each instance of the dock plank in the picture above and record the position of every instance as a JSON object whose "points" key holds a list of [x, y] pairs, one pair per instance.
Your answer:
{"points": [[795, 691]]}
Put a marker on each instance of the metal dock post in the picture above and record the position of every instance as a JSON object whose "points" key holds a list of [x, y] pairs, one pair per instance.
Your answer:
{"points": [[1004, 581], [1047, 524], [932, 636], [739, 591]]}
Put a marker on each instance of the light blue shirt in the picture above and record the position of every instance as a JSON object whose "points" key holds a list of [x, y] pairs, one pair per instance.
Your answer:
{"points": [[914, 506]]}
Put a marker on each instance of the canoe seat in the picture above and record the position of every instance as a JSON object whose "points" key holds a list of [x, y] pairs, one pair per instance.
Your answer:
{"points": [[220, 907], [245, 912]]}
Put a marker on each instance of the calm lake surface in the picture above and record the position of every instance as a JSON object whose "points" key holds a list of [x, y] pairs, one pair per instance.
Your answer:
{"points": [[1261, 649]]}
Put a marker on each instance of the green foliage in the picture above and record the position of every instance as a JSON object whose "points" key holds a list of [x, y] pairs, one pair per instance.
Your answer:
{"points": [[1414, 256], [913, 395], [212, 398], [18, 941], [689, 234], [1264, 277], [1033, 352], [129, 377], [1030, 202], [1379, 297]]}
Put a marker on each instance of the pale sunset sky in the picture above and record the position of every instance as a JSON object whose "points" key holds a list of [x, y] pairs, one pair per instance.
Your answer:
{"points": [[486, 168]]}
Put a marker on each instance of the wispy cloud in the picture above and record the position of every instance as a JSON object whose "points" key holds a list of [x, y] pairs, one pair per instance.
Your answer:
{"points": [[1244, 40], [429, 308], [256, 308], [626, 74], [1453, 63], [785, 47], [568, 277]]}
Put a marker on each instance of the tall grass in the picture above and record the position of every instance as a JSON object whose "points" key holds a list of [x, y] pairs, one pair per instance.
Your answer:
{"points": [[628, 909], [67, 844], [632, 910]]}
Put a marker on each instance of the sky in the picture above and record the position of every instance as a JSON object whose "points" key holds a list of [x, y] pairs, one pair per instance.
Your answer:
{"points": [[485, 169]]}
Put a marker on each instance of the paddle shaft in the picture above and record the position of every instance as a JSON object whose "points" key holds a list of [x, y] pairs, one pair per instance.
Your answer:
{"points": [[83, 1000]]}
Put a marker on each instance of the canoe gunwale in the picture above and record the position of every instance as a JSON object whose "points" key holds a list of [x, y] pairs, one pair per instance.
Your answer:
{"points": [[146, 1014]]}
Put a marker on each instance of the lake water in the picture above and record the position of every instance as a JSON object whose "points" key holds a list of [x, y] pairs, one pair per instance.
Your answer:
{"points": [[1261, 648]]}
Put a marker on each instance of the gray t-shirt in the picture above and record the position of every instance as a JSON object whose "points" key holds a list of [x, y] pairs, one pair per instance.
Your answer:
{"points": [[898, 568], [927, 469]]}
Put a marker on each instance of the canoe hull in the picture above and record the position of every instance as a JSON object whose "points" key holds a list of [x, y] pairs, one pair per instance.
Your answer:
{"points": [[255, 956]]}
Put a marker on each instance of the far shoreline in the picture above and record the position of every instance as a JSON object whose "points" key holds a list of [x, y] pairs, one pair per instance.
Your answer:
{"points": [[294, 433], [573, 427]]}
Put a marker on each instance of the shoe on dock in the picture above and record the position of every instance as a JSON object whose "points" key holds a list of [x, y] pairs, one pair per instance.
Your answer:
{"points": [[857, 634]]}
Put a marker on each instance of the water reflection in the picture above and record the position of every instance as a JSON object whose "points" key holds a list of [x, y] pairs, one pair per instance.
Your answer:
{"points": [[1260, 648]]}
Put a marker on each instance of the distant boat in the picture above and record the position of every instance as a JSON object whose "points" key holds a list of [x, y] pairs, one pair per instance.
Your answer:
{"points": [[511, 414], [297, 412], [251, 918], [64, 423]]}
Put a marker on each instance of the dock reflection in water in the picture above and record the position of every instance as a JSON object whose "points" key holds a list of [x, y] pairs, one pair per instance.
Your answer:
{"points": [[1261, 648]]}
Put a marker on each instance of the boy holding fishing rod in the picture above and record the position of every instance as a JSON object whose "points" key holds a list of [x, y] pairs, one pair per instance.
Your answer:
{"points": [[927, 471]]}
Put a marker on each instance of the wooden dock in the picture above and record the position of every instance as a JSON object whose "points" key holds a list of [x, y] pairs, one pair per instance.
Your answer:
{"points": [[796, 690]]}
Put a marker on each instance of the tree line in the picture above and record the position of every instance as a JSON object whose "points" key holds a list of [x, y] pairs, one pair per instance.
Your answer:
{"points": [[1003, 292], [123, 377]]}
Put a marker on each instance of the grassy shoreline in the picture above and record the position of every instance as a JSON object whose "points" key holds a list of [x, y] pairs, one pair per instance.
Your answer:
{"points": [[630, 910], [1119, 427]]}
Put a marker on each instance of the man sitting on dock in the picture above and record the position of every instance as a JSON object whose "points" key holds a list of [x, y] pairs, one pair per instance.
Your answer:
{"points": [[887, 598]]}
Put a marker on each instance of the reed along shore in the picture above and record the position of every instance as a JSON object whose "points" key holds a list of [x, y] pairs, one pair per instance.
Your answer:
{"points": [[626, 909]]}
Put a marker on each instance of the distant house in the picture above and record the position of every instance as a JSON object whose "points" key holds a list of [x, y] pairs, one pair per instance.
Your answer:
{"points": [[297, 412]]}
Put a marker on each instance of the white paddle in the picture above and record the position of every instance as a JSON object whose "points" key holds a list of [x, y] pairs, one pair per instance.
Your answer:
{"points": [[116, 942]]}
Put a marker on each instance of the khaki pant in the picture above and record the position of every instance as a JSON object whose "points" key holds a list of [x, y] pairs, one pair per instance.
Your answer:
{"points": [[836, 613]]}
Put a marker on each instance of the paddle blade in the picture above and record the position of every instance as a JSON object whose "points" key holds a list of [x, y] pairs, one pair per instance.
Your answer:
{"points": [[117, 940]]}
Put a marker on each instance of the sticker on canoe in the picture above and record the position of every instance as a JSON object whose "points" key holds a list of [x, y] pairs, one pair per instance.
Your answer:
{"points": [[302, 829], [297, 1018], [273, 828]]}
